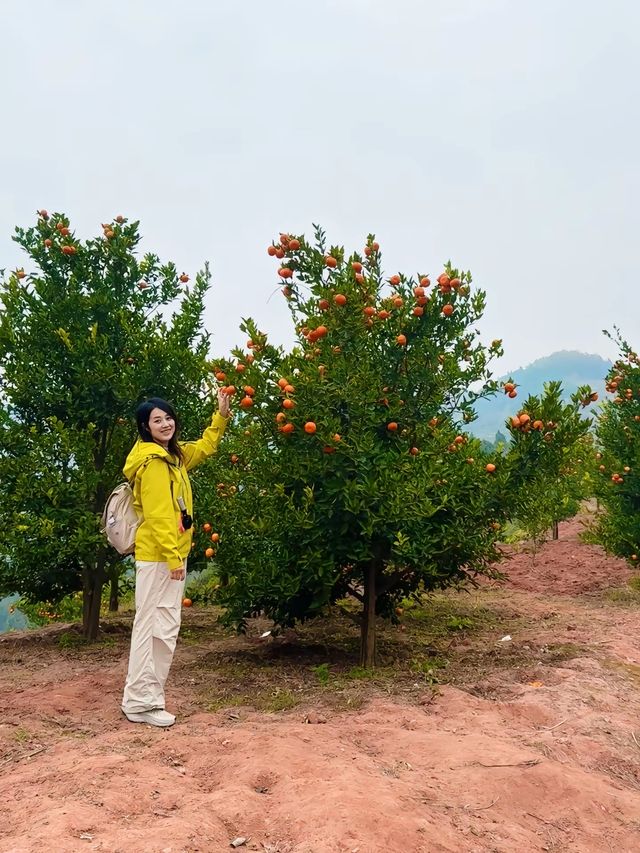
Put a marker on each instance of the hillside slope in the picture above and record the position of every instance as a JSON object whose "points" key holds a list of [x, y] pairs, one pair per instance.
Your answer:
{"points": [[569, 367]]}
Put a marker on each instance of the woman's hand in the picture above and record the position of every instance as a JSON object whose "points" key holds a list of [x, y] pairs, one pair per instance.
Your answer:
{"points": [[178, 574], [224, 405]]}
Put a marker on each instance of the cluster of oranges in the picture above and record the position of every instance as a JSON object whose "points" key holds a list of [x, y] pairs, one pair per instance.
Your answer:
{"points": [[246, 401], [314, 335], [108, 231], [286, 244], [615, 477], [523, 423], [255, 347], [356, 266], [44, 614], [288, 404], [63, 231], [622, 396], [226, 491], [449, 285], [510, 389], [588, 399], [458, 442], [619, 377], [396, 301], [215, 538], [70, 248], [446, 284]]}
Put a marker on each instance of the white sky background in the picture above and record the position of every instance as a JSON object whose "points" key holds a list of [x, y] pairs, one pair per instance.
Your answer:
{"points": [[499, 133]]}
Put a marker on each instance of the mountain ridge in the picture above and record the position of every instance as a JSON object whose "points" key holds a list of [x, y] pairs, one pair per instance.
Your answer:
{"points": [[570, 367]]}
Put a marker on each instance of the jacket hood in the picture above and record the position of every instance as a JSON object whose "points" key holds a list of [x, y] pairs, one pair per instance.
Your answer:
{"points": [[140, 453]]}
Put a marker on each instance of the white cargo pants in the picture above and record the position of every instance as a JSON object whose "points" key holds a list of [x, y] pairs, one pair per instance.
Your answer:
{"points": [[153, 638]]}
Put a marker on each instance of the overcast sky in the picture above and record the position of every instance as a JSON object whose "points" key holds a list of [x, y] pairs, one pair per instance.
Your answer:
{"points": [[499, 133]]}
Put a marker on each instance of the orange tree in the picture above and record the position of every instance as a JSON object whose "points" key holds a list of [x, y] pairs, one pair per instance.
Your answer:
{"points": [[82, 339], [617, 485], [349, 472], [551, 496]]}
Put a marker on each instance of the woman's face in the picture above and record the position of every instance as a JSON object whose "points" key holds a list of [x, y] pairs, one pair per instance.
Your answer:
{"points": [[161, 426]]}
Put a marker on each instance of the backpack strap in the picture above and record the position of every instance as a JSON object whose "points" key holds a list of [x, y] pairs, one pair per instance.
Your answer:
{"points": [[144, 465]]}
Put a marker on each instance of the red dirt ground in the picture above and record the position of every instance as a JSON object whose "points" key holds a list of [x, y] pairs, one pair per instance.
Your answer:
{"points": [[536, 748]]}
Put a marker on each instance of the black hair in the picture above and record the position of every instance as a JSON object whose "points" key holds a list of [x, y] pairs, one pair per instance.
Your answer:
{"points": [[143, 413]]}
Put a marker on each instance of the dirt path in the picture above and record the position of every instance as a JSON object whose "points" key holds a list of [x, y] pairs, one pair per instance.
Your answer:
{"points": [[465, 741]]}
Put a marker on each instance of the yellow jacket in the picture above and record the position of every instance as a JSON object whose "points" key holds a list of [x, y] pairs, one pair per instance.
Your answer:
{"points": [[158, 480]]}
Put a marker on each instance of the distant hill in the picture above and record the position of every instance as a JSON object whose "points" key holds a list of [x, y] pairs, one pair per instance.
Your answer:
{"points": [[571, 368]]}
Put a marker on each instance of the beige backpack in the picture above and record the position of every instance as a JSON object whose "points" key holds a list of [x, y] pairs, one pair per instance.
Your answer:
{"points": [[120, 521]]}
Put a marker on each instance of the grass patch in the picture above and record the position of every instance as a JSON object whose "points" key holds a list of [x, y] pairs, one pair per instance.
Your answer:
{"points": [[459, 623], [429, 668], [219, 703], [283, 700], [22, 735], [559, 652], [322, 672], [631, 670], [359, 673], [75, 640], [190, 637], [270, 701], [317, 664], [442, 614], [626, 595], [71, 640]]}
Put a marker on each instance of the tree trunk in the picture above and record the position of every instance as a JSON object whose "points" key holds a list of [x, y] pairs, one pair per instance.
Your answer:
{"points": [[554, 530], [94, 575], [368, 629], [113, 592], [93, 579]]}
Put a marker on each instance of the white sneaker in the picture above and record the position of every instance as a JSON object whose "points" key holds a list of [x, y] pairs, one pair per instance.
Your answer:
{"points": [[157, 717]]}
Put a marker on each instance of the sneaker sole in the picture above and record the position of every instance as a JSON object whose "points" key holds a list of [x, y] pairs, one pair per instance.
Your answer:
{"points": [[141, 718]]}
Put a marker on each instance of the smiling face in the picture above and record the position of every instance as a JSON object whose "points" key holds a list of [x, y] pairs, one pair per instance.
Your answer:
{"points": [[161, 426]]}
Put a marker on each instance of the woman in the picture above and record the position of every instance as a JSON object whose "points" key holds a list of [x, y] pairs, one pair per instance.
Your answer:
{"points": [[157, 469]]}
